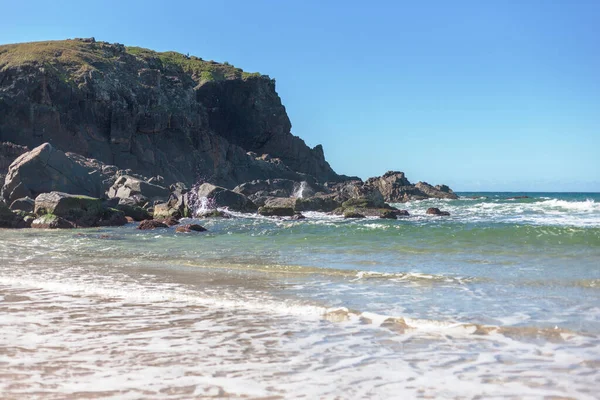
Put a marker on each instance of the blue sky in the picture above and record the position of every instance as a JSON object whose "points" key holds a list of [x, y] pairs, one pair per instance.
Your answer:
{"points": [[480, 95]]}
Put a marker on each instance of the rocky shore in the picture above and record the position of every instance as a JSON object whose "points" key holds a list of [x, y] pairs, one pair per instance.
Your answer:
{"points": [[47, 188], [99, 134]]}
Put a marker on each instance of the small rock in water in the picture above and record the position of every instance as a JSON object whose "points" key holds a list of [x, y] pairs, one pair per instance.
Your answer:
{"points": [[276, 211], [298, 217], [150, 224], [190, 228], [170, 221], [352, 214], [388, 214], [437, 211]]}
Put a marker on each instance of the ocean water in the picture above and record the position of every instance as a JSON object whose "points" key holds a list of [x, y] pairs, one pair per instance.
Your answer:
{"points": [[499, 300]]}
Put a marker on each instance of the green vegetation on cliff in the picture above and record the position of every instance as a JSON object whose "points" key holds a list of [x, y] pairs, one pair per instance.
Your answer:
{"points": [[66, 57]]}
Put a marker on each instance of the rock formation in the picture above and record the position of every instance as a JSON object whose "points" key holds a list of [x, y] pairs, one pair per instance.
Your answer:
{"points": [[154, 113], [134, 129]]}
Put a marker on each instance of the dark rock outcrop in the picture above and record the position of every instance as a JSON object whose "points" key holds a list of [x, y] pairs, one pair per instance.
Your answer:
{"points": [[395, 188], [437, 192], [154, 113]]}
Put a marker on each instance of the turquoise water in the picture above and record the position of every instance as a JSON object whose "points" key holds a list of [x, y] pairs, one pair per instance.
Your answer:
{"points": [[501, 298]]}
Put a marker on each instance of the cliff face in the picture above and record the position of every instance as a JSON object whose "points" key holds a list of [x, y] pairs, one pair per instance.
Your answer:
{"points": [[155, 113]]}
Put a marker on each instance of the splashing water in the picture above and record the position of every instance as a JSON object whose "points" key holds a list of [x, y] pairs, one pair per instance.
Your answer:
{"points": [[300, 191]]}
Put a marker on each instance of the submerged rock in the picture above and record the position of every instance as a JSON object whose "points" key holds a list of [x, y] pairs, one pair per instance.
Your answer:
{"points": [[190, 228], [169, 221], [437, 211], [150, 224], [353, 214], [276, 211], [213, 214]]}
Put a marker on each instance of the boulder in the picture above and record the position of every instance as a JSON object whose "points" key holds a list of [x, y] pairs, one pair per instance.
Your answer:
{"points": [[436, 211], [164, 210], [49, 221], [82, 211], [298, 217], [222, 197], [190, 228], [46, 169], [23, 204], [140, 191], [150, 224], [367, 195], [111, 217], [353, 214], [276, 211], [321, 203], [136, 212], [388, 214]]}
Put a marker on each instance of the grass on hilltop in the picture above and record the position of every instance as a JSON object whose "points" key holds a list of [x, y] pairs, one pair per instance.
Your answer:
{"points": [[65, 56]]}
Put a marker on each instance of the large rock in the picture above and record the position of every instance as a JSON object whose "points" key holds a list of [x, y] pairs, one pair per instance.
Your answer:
{"points": [[83, 211], [395, 188], [46, 169], [138, 190], [221, 197]]}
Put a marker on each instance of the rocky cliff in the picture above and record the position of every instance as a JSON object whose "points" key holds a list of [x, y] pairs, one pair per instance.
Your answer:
{"points": [[154, 113]]}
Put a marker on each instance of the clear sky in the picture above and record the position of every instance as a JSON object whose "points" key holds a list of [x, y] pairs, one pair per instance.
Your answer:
{"points": [[480, 95]]}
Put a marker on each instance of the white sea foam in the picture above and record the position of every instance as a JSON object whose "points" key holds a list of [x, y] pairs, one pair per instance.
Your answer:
{"points": [[82, 343]]}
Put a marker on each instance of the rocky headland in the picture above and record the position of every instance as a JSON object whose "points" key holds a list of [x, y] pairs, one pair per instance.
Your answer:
{"points": [[96, 134]]}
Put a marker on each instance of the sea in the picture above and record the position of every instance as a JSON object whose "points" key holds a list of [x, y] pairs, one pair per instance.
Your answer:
{"points": [[500, 300]]}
